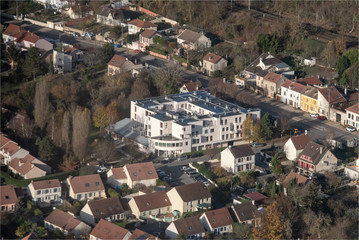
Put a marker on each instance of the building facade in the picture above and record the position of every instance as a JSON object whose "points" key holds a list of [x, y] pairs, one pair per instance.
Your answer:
{"points": [[212, 63], [45, 191], [352, 115], [238, 159]]}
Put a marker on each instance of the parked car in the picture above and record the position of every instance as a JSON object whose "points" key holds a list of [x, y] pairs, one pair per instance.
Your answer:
{"points": [[191, 171], [196, 155], [137, 51], [183, 157], [322, 118], [184, 168], [102, 169], [195, 175], [255, 145], [351, 129], [76, 34], [314, 115]]}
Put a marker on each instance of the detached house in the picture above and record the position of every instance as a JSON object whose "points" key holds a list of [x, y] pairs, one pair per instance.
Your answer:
{"points": [[192, 40], [45, 191], [189, 228], [66, 61], [78, 11], [352, 115], [146, 38], [66, 223], [295, 145], [106, 230], [119, 64], [291, 93], [191, 87], [247, 213], [109, 16], [29, 167], [11, 150], [212, 63], [272, 83], [190, 197], [352, 170], [292, 176], [141, 235], [8, 198], [110, 209], [86, 187], [217, 221], [137, 25], [237, 159], [316, 158]]}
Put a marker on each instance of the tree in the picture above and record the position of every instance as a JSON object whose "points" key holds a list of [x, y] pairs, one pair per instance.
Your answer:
{"points": [[33, 63], [47, 148], [267, 124], [105, 150], [13, 55], [81, 122], [241, 231], [247, 128], [108, 51], [332, 179], [284, 121], [317, 224], [211, 152], [41, 104], [41, 232], [329, 54], [257, 131], [100, 117], [65, 131], [69, 164], [342, 64], [275, 164], [116, 32], [24, 229]]}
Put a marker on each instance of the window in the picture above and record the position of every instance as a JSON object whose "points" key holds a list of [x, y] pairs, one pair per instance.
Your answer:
{"points": [[161, 125], [55, 190], [39, 192], [212, 130], [90, 194], [87, 184], [97, 183]]}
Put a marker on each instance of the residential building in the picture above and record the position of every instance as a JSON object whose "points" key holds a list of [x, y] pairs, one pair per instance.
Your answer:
{"points": [[29, 167], [146, 38], [295, 145], [151, 205], [119, 64], [190, 197], [133, 174], [137, 25], [217, 221], [309, 99], [191, 87], [109, 209], [256, 197], [141, 235], [192, 40], [8, 198], [272, 83], [186, 122], [291, 93], [106, 230], [316, 158], [352, 171], [312, 81], [109, 16], [247, 213], [67, 60], [78, 11], [66, 223], [86, 187], [329, 98], [212, 63], [352, 115], [299, 180], [238, 159], [45, 191], [11, 150], [188, 228]]}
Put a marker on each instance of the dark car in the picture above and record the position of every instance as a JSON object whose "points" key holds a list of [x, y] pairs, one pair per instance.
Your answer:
{"points": [[322, 118], [194, 155]]}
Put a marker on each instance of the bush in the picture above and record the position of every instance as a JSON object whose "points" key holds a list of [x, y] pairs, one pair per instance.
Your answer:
{"points": [[203, 170], [155, 50], [113, 193]]}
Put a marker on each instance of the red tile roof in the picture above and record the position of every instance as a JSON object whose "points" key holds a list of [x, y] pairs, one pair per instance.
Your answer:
{"points": [[287, 83], [104, 208], [256, 196], [63, 220], [300, 141], [332, 95], [23, 165], [192, 86], [14, 30], [107, 230], [272, 77], [11, 148], [193, 191], [148, 33], [141, 171], [152, 201], [8, 195], [310, 81], [211, 57], [189, 226], [141, 235], [87, 183], [30, 37], [142, 24], [53, 183], [292, 175], [31, 236], [354, 108], [3, 140], [117, 60], [118, 173], [354, 97], [219, 217]]}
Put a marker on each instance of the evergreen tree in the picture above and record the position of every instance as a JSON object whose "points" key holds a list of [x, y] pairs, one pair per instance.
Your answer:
{"points": [[13, 55], [33, 64], [267, 125]]}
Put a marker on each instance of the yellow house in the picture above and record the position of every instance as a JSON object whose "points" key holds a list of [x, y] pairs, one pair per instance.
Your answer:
{"points": [[309, 100]]}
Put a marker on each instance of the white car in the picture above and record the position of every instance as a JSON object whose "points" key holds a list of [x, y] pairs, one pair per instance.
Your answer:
{"points": [[351, 129], [314, 115], [102, 169]]}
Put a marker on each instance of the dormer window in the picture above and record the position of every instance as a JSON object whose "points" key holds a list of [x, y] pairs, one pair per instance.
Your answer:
{"points": [[134, 174], [149, 172], [87, 184], [97, 183]]}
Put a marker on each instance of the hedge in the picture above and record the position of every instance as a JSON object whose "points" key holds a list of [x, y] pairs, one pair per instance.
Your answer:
{"points": [[203, 170]]}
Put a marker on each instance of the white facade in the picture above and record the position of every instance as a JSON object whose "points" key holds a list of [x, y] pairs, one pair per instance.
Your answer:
{"points": [[45, 195], [352, 118], [290, 97], [188, 122], [210, 67], [290, 151], [352, 172], [236, 164], [62, 62]]}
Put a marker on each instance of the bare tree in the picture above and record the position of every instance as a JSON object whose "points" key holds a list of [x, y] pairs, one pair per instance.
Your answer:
{"points": [[65, 131], [41, 104], [81, 122], [285, 121], [22, 125], [105, 150]]}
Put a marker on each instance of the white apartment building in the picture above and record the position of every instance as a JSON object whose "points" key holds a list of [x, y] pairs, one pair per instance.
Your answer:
{"points": [[186, 122]]}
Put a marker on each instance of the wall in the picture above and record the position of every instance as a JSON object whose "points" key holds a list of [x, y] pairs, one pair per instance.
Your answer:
{"points": [[158, 55], [148, 12]]}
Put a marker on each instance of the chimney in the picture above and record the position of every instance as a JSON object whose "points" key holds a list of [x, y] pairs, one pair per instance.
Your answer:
{"points": [[295, 78], [260, 60], [345, 91], [321, 150], [224, 80], [210, 57]]}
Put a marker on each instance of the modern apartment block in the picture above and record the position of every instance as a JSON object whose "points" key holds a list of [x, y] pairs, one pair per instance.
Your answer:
{"points": [[186, 122]]}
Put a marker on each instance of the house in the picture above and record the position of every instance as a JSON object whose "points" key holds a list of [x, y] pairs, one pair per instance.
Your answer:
{"points": [[292, 176], [191, 87], [212, 63], [192, 40], [309, 99], [295, 145], [352, 171], [13, 33], [256, 197], [133, 174], [272, 83], [310, 62], [238, 159], [291, 93], [353, 98], [8, 198], [329, 98], [217, 221], [78, 11], [352, 115], [29, 167], [146, 38], [11, 150], [188, 228], [106, 230], [66, 61], [66, 223], [109, 209], [45, 191], [316, 158], [190, 197], [86, 187], [109, 16], [119, 64], [312, 81], [141, 235], [137, 25], [247, 213], [151, 205]]}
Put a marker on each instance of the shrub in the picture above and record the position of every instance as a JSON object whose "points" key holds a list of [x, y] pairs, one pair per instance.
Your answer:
{"points": [[203, 170]]}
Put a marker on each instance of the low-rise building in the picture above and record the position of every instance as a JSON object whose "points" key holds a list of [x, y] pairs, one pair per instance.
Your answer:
{"points": [[309, 99], [109, 16], [106, 230], [217, 221], [78, 11], [86, 187], [255, 197], [247, 213], [298, 179], [352, 115], [187, 228], [146, 38], [212, 63], [295, 145], [190, 197], [291, 93], [141, 235], [67, 60], [45, 191], [137, 25], [66, 223], [192, 40], [312, 81], [329, 98], [119, 64], [352, 171], [191, 87], [238, 159], [29, 167], [8, 198], [272, 83]]}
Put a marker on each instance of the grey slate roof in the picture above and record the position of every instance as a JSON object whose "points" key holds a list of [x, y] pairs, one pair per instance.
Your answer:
{"points": [[189, 36], [245, 212], [243, 150], [126, 128]]}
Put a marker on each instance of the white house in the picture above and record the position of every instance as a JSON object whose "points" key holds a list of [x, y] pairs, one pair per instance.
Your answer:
{"points": [[192, 40], [45, 191], [137, 25], [212, 63], [291, 93], [329, 98], [66, 61], [190, 228], [352, 115], [217, 221], [352, 171], [86, 187], [295, 145], [106, 230], [238, 159]]}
